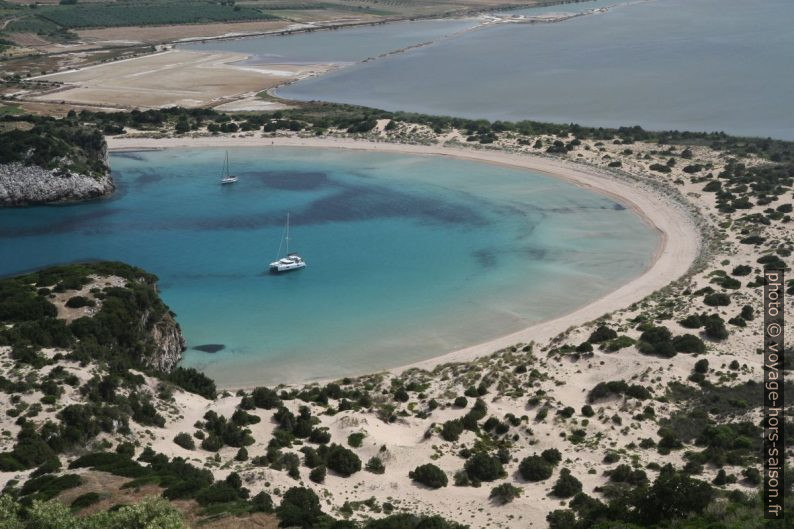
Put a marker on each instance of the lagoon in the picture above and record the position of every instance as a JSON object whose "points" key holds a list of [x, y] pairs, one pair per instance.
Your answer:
{"points": [[409, 256], [699, 65]]}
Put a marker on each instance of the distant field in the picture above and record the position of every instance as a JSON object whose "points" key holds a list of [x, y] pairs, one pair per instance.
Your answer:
{"points": [[174, 78], [145, 14]]}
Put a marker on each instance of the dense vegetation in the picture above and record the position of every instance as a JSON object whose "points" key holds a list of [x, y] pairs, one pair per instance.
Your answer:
{"points": [[117, 336], [74, 15], [119, 332], [55, 143]]}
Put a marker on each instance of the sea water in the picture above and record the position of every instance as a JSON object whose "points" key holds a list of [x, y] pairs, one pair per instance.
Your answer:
{"points": [[408, 257]]}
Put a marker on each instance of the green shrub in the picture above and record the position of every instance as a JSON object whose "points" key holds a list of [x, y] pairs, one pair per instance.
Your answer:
{"points": [[85, 500], [185, 440], [342, 461], [429, 475], [717, 299], [566, 485], [616, 344], [551, 455], [714, 328], [77, 302], [262, 502], [451, 430], [356, 439], [265, 398], [300, 507], [504, 493], [535, 468], [317, 475], [375, 465], [483, 467], [688, 343], [693, 321], [193, 381], [702, 366], [602, 334]]}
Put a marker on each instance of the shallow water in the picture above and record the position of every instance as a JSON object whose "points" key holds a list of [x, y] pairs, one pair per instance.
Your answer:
{"points": [[662, 64], [408, 257]]}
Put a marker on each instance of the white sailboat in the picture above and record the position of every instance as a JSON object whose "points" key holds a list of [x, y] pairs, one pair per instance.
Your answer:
{"points": [[226, 177], [292, 261]]}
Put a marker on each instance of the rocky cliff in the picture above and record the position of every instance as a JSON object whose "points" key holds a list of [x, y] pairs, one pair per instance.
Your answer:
{"points": [[22, 185], [169, 344]]}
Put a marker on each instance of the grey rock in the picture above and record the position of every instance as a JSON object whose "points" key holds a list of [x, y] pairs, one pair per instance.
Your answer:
{"points": [[22, 185]]}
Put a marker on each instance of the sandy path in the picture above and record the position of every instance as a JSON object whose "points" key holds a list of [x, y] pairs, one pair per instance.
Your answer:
{"points": [[679, 245]]}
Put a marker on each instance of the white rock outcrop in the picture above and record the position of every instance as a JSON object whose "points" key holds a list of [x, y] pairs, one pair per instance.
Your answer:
{"points": [[22, 185]]}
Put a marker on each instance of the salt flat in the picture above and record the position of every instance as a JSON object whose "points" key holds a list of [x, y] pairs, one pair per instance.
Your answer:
{"points": [[171, 78]]}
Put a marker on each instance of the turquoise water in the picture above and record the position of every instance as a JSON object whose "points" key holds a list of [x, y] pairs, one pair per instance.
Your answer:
{"points": [[408, 257], [662, 64]]}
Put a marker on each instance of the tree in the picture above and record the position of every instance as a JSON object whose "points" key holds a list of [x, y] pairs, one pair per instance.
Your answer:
{"points": [[566, 485], [535, 468], [429, 475], [300, 507], [343, 461]]}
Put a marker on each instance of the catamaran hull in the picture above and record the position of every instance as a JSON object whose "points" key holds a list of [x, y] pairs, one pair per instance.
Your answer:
{"points": [[278, 269]]}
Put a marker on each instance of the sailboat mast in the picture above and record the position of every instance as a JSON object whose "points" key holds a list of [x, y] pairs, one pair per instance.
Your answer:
{"points": [[287, 237]]}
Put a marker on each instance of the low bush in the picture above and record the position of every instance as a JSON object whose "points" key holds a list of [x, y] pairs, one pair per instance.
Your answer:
{"points": [[185, 440], [429, 475], [504, 493], [535, 468]]}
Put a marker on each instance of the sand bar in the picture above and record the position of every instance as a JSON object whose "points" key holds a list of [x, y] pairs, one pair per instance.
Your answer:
{"points": [[680, 241]]}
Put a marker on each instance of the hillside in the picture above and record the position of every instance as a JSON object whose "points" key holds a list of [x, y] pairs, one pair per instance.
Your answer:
{"points": [[45, 160]]}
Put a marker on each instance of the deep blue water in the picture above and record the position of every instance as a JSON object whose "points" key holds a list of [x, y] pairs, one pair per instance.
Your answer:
{"points": [[409, 257]]}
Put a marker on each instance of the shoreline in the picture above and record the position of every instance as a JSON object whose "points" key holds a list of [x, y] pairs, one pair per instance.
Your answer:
{"points": [[679, 245]]}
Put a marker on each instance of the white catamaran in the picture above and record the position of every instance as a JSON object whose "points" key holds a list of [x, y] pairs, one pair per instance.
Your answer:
{"points": [[292, 261], [227, 178]]}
